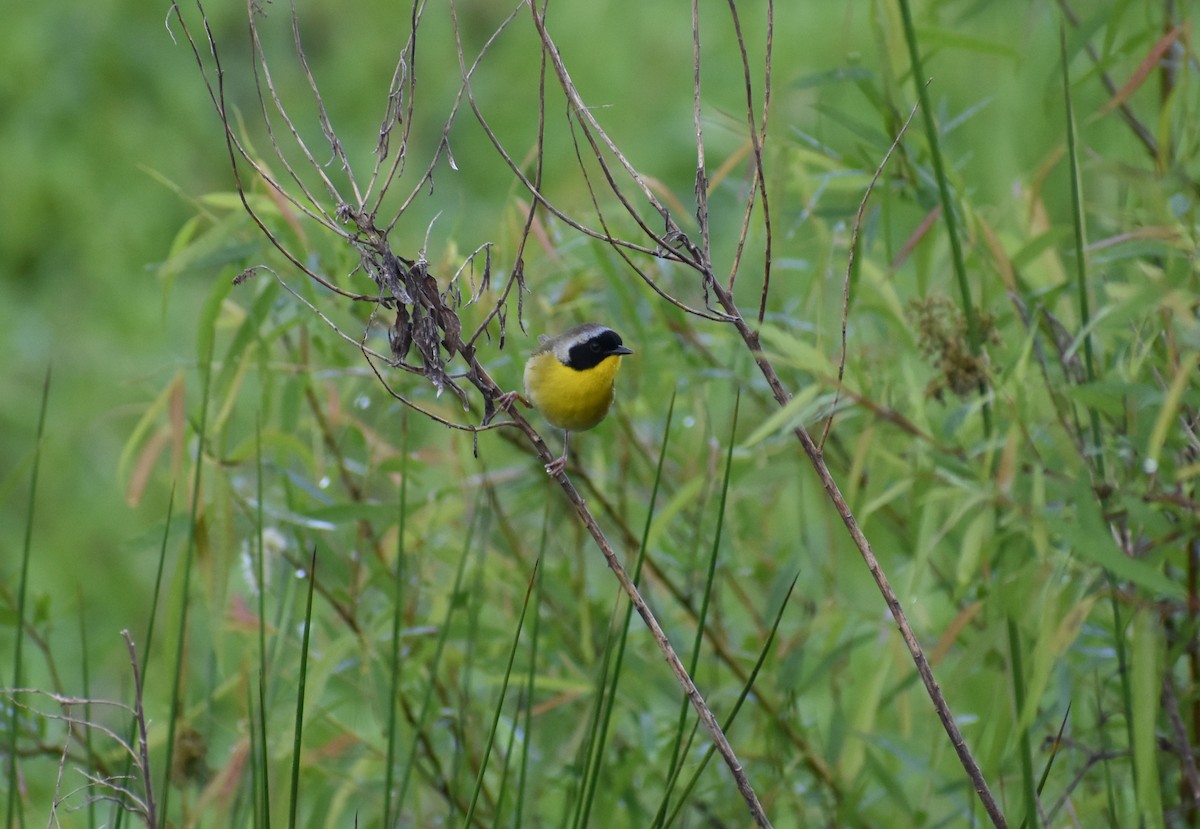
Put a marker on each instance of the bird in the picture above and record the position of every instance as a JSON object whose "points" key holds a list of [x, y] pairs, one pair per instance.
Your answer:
{"points": [[570, 379]]}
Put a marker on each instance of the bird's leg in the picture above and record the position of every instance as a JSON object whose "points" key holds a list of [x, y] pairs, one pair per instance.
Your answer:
{"points": [[556, 466], [504, 403]]}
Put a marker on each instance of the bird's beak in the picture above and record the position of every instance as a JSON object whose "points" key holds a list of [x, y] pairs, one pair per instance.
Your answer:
{"points": [[621, 350]]}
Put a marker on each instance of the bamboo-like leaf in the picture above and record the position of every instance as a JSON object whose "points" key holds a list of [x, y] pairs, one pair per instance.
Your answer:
{"points": [[1169, 411], [1146, 672], [1091, 541]]}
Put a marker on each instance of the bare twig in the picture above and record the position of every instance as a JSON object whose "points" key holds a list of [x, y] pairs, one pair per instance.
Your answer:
{"points": [[143, 751], [758, 138], [1143, 133], [858, 223], [108, 786]]}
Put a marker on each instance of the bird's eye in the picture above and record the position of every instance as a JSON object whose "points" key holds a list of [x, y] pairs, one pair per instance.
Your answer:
{"points": [[594, 346]]}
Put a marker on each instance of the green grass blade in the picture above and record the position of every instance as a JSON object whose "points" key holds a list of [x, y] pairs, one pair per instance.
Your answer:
{"points": [[491, 738], [1017, 677], [298, 737], [949, 209], [259, 768], [188, 556], [681, 747], [439, 649], [84, 664], [611, 695], [530, 686], [1085, 315], [1077, 223], [263, 817], [737, 706], [158, 578], [397, 617], [474, 602], [254, 712], [22, 588], [591, 752], [1058, 741], [506, 768]]}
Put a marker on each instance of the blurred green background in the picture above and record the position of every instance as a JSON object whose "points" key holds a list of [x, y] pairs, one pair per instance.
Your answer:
{"points": [[95, 108]]}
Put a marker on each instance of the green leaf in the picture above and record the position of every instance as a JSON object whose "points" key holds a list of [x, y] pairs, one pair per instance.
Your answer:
{"points": [[1091, 541], [1170, 409], [800, 409], [1145, 671]]}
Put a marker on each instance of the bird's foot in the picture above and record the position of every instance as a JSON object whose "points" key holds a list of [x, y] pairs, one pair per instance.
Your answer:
{"points": [[504, 403]]}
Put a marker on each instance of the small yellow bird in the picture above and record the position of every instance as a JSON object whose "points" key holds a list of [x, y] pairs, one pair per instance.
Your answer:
{"points": [[569, 379]]}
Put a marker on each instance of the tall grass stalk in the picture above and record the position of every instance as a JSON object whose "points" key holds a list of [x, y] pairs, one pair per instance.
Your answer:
{"points": [[590, 758], [610, 695], [1080, 253], [262, 781], [185, 588], [389, 774], [298, 727], [474, 603], [949, 206], [255, 711], [747, 687], [1096, 456], [681, 745], [512, 657], [422, 720], [1017, 679], [530, 677], [22, 618]]}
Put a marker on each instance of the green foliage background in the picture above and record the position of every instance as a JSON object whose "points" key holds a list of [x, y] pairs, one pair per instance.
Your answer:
{"points": [[121, 236]]}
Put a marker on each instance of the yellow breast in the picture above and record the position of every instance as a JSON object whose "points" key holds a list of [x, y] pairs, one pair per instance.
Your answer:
{"points": [[570, 399]]}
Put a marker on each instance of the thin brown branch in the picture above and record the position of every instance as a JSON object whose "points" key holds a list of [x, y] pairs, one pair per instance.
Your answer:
{"points": [[751, 339], [335, 144], [235, 150], [758, 136], [859, 217], [143, 751], [443, 147], [314, 208], [816, 458], [622, 251], [621, 246], [516, 277], [397, 112], [701, 189], [1143, 133], [600, 142]]}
